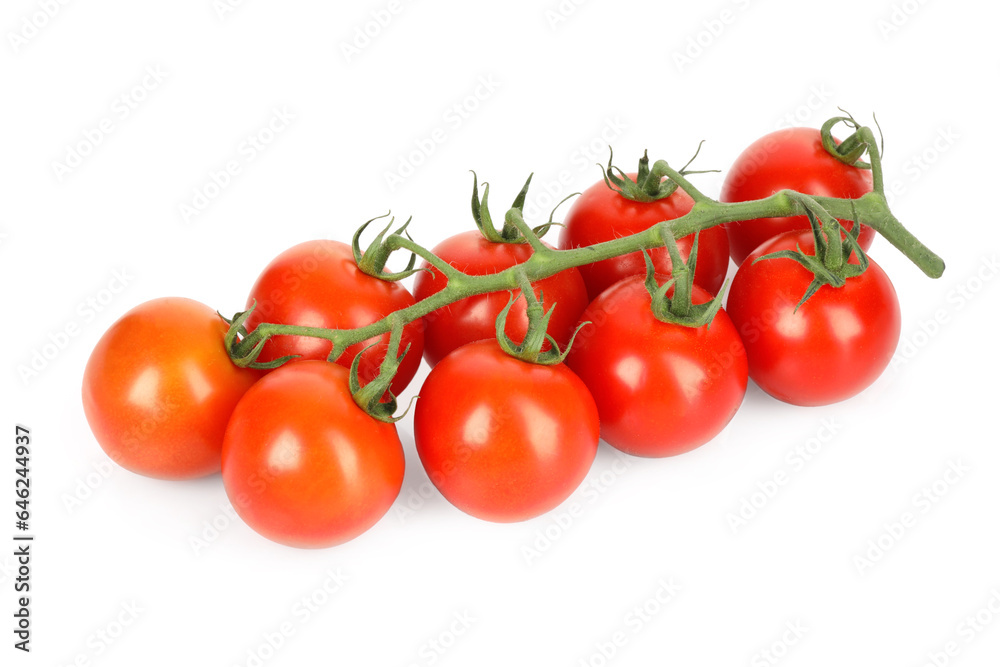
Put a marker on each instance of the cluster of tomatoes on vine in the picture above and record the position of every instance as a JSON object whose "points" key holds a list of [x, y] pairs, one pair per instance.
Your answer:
{"points": [[635, 349]]}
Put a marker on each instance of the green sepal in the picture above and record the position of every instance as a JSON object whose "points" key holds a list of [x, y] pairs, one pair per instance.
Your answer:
{"points": [[530, 349], [369, 397], [542, 230], [822, 273], [850, 150], [244, 348], [679, 309], [372, 262], [483, 219], [481, 212], [509, 233], [649, 185]]}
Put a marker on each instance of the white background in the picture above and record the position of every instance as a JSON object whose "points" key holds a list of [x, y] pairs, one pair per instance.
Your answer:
{"points": [[563, 86]]}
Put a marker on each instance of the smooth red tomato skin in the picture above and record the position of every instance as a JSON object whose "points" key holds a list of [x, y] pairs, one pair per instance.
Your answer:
{"points": [[601, 214], [833, 347], [793, 159], [159, 387], [504, 440], [305, 466], [317, 284], [474, 318], [661, 389]]}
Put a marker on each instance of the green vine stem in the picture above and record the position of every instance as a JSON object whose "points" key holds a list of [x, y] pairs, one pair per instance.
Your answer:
{"points": [[871, 209]]}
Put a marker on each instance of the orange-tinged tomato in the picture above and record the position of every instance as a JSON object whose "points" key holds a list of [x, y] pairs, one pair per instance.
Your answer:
{"points": [[159, 388]]}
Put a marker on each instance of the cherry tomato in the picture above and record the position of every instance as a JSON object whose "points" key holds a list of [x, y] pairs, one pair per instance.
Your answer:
{"points": [[793, 159], [159, 388], [317, 284], [305, 466], [502, 439], [474, 318], [835, 345], [602, 214], [661, 389]]}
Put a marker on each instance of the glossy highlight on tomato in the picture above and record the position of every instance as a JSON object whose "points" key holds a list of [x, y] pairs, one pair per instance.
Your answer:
{"points": [[305, 466], [159, 388], [474, 318], [602, 214], [502, 439], [794, 159], [661, 389], [833, 346], [317, 284]]}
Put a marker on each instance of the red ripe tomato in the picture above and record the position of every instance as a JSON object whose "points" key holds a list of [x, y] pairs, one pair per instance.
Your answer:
{"points": [[474, 318], [305, 466], [159, 388], [602, 214], [835, 345], [317, 284], [502, 439], [793, 159], [661, 389]]}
